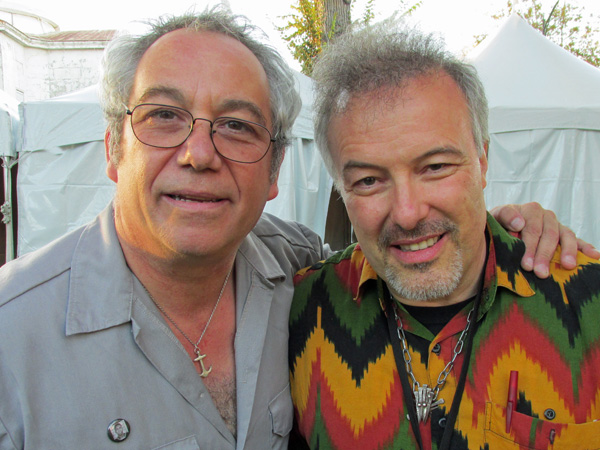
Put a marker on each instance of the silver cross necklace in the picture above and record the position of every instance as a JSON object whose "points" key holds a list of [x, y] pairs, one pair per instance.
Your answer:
{"points": [[199, 356]]}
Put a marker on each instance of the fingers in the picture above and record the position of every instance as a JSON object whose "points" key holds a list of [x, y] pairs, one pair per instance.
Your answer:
{"points": [[542, 233], [509, 217], [569, 246], [541, 236], [587, 249]]}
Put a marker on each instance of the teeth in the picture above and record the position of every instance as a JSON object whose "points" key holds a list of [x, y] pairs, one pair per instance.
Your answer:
{"points": [[185, 199], [419, 246]]}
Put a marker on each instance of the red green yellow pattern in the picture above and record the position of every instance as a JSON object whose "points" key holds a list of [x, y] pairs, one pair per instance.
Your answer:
{"points": [[345, 384]]}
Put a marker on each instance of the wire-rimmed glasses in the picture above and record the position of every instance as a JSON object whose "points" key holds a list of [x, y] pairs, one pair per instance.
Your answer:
{"points": [[165, 126]]}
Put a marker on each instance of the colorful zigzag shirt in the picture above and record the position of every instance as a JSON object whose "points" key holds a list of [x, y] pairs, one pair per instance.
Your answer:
{"points": [[345, 383]]}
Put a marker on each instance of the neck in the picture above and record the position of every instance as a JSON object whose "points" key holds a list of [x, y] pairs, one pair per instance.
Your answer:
{"points": [[179, 284]]}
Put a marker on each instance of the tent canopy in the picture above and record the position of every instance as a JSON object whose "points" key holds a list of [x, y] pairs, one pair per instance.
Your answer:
{"points": [[544, 126], [9, 123], [66, 120], [532, 83]]}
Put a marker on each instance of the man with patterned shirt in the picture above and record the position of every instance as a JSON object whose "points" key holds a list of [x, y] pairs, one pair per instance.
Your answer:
{"points": [[428, 334]]}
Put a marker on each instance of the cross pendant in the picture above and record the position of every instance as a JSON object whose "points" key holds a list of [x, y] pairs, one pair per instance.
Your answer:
{"points": [[199, 359], [424, 402]]}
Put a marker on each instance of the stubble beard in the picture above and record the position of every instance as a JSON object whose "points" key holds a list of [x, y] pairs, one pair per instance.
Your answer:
{"points": [[423, 281]]}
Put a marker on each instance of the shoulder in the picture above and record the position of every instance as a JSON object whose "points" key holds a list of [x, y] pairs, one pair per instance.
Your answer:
{"points": [[288, 241], [586, 273], [345, 262], [273, 229], [38, 267]]}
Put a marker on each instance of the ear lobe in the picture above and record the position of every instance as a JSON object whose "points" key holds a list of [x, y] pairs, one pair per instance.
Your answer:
{"points": [[111, 169], [483, 164], [274, 189]]}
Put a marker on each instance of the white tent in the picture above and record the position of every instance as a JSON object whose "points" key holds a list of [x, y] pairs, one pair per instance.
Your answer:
{"points": [[304, 183], [544, 126], [62, 181]]}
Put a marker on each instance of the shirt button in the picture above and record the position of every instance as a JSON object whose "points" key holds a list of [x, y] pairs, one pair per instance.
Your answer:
{"points": [[436, 349], [442, 422], [550, 414]]}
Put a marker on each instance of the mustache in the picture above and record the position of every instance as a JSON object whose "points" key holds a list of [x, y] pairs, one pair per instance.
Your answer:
{"points": [[395, 232]]}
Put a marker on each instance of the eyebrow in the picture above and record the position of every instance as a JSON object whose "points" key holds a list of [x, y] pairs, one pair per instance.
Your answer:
{"points": [[252, 108], [352, 164], [173, 93], [227, 105], [441, 151]]}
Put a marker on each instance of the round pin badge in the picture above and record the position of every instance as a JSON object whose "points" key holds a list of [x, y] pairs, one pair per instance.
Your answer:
{"points": [[118, 430]]}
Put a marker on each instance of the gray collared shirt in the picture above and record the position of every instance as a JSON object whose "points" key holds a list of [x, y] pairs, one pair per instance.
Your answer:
{"points": [[82, 345]]}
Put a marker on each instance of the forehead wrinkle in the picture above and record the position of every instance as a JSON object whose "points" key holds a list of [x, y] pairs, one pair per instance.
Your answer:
{"points": [[155, 91]]}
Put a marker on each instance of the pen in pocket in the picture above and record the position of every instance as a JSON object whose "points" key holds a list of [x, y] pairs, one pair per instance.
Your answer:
{"points": [[511, 402]]}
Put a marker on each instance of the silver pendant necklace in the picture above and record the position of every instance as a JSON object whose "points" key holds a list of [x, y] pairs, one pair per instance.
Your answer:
{"points": [[199, 356], [426, 398]]}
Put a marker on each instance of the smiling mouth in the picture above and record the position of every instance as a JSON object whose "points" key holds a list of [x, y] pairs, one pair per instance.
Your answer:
{"points": [[197, 200], [420, 245]]}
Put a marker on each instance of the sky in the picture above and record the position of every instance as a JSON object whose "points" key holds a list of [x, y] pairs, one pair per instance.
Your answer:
{"points": [[456, 20]]}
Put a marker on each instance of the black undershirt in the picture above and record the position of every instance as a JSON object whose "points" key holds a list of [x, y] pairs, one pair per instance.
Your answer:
{"points": [[434, 318]]}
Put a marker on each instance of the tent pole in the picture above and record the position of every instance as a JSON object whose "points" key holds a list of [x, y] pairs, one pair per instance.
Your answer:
{"points": [[6, 208]]}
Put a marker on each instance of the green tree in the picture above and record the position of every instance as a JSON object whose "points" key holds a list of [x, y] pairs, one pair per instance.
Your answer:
{"points": [[567, 25], [313, 23]]}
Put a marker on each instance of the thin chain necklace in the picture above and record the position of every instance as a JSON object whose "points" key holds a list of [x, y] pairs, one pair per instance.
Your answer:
{"points": [[199, 355], [426, 398]]}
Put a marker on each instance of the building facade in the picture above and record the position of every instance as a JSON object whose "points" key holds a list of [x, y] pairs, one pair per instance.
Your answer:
{"points": [[39, 61]]}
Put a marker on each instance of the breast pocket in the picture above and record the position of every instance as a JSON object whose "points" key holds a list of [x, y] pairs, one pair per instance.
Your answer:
{"points": [[188, 443], [528, 432], [282, 416]]}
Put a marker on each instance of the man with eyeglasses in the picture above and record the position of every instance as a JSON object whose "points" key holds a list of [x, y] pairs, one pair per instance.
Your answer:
{"points": [[163, 323]]}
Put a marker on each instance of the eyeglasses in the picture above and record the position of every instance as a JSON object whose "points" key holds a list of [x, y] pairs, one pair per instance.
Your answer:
{"points": [[164, 126]]}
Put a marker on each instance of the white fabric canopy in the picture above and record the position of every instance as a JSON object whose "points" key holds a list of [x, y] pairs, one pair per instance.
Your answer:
{"points": [[9, 122], [304, 183], [62, 181], [544, 126]]}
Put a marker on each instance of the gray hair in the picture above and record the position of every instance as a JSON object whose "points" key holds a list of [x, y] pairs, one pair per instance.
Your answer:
{"points": [[385, 55], [123, 54]]}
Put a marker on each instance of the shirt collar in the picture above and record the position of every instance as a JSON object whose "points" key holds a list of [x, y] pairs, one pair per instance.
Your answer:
{"points": [[101, 284], [503, 267], [260, 257], [102, 287]]}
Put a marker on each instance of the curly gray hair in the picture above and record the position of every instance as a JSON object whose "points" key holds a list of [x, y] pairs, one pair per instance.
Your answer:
{"points": [[385, 55], [123, 54]]}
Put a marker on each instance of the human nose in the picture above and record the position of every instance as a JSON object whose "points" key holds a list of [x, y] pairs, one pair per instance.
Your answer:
{"points": [[198, 149], [409, 205]]}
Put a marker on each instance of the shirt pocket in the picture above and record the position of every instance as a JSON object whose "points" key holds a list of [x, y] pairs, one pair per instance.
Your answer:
{"points": [[188, 443], [528, 432], [282, 416]]}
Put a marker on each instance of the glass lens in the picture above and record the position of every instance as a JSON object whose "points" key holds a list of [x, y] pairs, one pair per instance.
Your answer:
{"points": [[169, 126], [161, 125], [240, 140]]}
